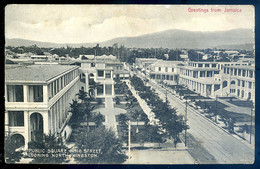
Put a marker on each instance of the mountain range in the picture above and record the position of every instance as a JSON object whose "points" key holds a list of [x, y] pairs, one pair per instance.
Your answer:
{"points": [[174, 38]]}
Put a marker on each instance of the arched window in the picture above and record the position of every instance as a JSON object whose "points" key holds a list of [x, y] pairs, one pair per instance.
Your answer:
{"points": [[224, 84], [233, 82]]}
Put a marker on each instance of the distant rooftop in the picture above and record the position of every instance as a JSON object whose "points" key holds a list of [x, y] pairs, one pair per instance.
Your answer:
{"points": [[245, 67], [166, 63], [35, 73]]}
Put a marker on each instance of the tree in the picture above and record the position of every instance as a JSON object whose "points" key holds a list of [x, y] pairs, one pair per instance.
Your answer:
{"points": [[87, 108], [98, 119], [50, 142], [117, 99], [92, 87], [123, 126], [103, 139], [83, 96], [12, 155]]}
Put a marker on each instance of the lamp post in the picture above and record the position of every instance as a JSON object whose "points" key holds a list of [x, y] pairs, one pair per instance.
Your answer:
{"points": [[129, 139]]}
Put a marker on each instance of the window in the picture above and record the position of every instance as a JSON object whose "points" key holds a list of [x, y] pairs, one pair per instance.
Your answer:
{"points": [[171, 77], [216, 72], [243, 83], [209, 73], [166, 69], [92, 64], [206, 65], [15, 93], [195, 74], [16, 118], [100, 73], [249, 85], [35, 93], [199, 65], [235, 72], [163, 77], [250, 73], [172, 69], [108, 74], [239, 72], [238, 92], [202, 73], [100, 90], [159, 68], [244, 73], [214, 65]]}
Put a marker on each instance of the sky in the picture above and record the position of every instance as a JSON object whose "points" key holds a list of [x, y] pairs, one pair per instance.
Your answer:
{"points": [[96, 23]]}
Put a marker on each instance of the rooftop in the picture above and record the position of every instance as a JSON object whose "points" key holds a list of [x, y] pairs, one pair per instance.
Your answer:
{"points": [[245, 67], [35, 73], [165, 63]]}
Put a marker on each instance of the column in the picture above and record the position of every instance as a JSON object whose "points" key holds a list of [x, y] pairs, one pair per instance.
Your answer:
{"points": [[113, 92], [25, 93], [87, 82], [212, 90], [45, 93], [6, 122], [45, 123], [26, 128], [205, 89], [104, 89]]}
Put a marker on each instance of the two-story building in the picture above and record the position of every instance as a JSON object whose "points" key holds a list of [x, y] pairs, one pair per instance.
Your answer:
{"points": [[167, 71], [37, 101]]}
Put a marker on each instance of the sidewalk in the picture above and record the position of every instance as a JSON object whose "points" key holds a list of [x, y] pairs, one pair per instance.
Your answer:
{"points": [[143, 104], [110, 113]]}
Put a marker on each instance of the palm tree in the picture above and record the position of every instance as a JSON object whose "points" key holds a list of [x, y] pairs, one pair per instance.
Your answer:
{"points": [[87, 109], [82, 95], [73, 105], [92, 87]]}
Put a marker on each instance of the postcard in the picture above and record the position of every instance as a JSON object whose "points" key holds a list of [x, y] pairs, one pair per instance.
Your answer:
{"points": [[129, 84]]}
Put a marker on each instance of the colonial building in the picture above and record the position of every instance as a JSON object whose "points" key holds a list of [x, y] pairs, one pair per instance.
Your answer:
{"points": [[98, 78], [219, 78], [167, 71], [37, 100], [240, 81]]}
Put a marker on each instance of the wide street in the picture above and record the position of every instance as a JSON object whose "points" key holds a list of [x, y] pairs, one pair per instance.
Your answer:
{"points": [[223, 146]]}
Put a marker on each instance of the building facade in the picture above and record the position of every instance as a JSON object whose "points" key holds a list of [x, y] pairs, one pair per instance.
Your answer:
{"points": [[219, 79], [167, 71], [37, 101]]}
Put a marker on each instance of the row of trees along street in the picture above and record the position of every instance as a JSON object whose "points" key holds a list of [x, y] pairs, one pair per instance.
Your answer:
{"points": [[141, 134], [171, 123]]}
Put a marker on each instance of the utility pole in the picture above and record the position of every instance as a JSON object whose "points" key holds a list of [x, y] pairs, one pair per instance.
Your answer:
{"points": [[252, 105], [216, 113], [129, 139], [186, 123]]}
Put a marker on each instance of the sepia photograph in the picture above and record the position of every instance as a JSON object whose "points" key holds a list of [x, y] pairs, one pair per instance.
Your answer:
{"points": [[129, 84]]}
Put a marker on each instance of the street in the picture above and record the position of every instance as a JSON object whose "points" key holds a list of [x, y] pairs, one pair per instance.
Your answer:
{"points": [[224, 147]]}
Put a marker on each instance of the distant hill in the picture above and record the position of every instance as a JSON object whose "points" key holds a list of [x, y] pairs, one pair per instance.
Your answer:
{"points": [[23, 42], [239, 38]]}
